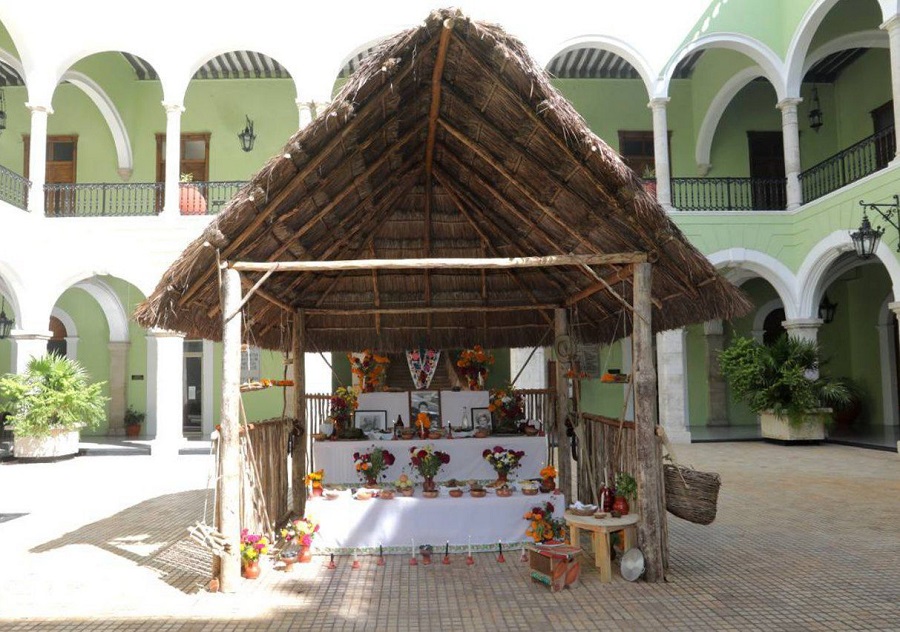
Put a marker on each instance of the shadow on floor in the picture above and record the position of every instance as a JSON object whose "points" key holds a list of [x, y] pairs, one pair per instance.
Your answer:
{"points": [[154, 534]]}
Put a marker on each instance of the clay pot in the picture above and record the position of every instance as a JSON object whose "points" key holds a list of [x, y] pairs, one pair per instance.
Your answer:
{"points": [[133, 430], [456, 493], [191, 201], [407, 491], [250, 570], [620, 505], [502, 479], [305, 555], [316, 492], [429, 485]]}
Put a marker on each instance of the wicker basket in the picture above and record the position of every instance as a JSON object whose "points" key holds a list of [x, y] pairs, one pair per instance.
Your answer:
{"points": [[691, 494]]}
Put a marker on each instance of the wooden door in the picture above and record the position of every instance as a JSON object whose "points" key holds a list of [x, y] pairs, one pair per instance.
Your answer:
{"points": [[885, 143], [194, 154], [62, 155], [767, 185]]}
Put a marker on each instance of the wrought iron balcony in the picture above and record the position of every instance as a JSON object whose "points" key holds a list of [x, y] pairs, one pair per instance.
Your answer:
{"points": [[729, 194], [103, 199], [853, 163], [13, 188]]}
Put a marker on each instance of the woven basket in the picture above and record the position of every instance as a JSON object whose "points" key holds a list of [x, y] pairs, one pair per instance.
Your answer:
{"points": [[691, 494]]}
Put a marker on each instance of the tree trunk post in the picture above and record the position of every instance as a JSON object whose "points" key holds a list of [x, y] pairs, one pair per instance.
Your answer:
{"points": [[562, 410], [229, 466], [652, 526], [301, 437]]}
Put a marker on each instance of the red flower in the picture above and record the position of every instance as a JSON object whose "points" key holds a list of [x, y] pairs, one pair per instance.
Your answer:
{"points": [[422, 454], [484, 454], [497, 449], [445, 458]]}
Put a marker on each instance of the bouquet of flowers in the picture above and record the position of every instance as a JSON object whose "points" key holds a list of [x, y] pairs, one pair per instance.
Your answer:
{"points": [[372, 464], [473, 364], [548, 472], [502, 459], [544, 527], [252, 546], [343, 403], [314, 480], [370, 369], [508, 405], [427, 460], [300, 531]]}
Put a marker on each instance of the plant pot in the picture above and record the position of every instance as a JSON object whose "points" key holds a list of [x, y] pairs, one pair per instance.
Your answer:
{"points": [[305, 555], [191, 201], [620, 504], [429, 485], [133, 430], [781, 429], [502, 479], [58, 444], [548, 484], [250, 570], [316, 492], [406, 491]]}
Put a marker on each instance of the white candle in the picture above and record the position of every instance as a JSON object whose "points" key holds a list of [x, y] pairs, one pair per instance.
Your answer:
{"points": [[602, 500], [470, 546], [413, 541]]}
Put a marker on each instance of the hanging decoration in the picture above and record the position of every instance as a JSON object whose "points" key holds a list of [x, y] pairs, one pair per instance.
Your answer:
{"points": [[422, 364], [369, 368]]}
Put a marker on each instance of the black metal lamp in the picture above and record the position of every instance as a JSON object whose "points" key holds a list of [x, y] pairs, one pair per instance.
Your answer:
{"points": [[827, 309], [5, 323], [247, 136], [815, 112], [866, 238]]}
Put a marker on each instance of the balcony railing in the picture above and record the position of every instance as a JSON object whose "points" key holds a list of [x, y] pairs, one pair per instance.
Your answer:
{"points": [[215, 194], [13, 188], [728, 194], [123, 199], [857, 161]]}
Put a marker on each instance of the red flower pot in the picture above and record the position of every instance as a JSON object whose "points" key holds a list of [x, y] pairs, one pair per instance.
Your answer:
{"points": [[620, 505], [250, 570]]}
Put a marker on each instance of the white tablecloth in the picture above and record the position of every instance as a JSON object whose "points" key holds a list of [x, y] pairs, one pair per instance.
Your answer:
{"points": [[466, 462], [347, 524]]}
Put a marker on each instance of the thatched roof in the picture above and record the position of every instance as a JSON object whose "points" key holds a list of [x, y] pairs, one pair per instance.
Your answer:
{"points": [[514, 172]]}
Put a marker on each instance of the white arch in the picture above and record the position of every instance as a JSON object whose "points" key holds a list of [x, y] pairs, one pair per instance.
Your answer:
{"points": [[372, 43], [111, 306], [616, 46], [744, 264], [771, 65], [759, 320], [859, 39], [818, 263], [110, 114], [717, 109], [67, 321], [11, 287], [799, 46]]}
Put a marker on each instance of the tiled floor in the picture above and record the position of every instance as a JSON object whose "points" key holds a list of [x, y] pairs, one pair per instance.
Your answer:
{"points": [[807, 538]]}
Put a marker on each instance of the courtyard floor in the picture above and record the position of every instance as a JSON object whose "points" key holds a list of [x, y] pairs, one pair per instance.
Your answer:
{"points": [[807, 538]]}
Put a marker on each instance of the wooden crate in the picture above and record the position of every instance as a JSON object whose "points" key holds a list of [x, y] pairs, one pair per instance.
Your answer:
{"points": [[555, 567]]}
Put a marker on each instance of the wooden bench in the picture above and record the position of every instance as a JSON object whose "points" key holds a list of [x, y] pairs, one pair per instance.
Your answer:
{"points": [[600, 529]]}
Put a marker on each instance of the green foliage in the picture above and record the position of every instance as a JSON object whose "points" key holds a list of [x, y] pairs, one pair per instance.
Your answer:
{"points": [[776, 377], [134, 417], [626, 485], [52, 394]]}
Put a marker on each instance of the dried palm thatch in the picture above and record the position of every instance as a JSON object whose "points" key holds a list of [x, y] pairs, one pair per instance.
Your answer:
{"points": [[449, 141]]}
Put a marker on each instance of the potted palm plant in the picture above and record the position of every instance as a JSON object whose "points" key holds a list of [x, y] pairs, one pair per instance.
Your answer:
{"points": [[48, 404], [783, 383], [133, 420]]}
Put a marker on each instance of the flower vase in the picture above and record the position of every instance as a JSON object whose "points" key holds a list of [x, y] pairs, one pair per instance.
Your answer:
{"points": [[429, 484], [316, 492], [250, 570], [502, 478], [305, 555], [548, 484], [620, 504]]}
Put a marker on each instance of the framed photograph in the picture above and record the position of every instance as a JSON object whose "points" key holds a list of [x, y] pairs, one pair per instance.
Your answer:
{"points": [[425, 402], [369, 420], [481, 418]]}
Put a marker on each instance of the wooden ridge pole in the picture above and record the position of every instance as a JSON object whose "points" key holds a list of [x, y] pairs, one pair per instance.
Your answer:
{"points": [[301, 436], [229, 466], [651, 490]]}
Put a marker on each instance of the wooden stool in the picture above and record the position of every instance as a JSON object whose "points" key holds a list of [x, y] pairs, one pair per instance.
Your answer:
{"points": [[554, 566], [600, 529]]}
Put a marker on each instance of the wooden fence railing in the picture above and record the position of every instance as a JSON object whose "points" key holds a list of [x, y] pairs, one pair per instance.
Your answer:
{"points": [[265, 502]]}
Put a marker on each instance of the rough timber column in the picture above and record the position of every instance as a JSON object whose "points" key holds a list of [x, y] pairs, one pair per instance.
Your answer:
{"points": [[118, 382], [165, 381], [791, 133], [661, 151], [301, 437], [718, 390], [37, 156], [671, 361], [27, 345], [173, 158], [892, 26], [564, 451]]}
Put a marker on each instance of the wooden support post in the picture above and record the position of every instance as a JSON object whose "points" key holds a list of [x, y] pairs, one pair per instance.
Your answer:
{"points": [[229, 466], [651, 492], [298, 454], [562, 411]]}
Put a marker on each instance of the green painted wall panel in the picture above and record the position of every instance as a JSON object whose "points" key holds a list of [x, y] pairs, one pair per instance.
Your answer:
{"points": [[697, 372]]}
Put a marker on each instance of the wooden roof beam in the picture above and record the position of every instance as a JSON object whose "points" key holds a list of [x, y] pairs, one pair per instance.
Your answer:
{"points": [[452, 309]]}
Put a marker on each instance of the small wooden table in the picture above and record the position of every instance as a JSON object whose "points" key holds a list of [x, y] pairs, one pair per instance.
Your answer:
{"points": [[600, 529], [554, 566]]}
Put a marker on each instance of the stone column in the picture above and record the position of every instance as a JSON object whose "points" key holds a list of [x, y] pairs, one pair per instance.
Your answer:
{"points": [[661, 151], [118, 384], [891, 414], [892, 26], [165, 386], [804, 329], [717, 398], [27, 345], [791, 132], [671, 368], [72, 347], [37, 156], [173, 159]]}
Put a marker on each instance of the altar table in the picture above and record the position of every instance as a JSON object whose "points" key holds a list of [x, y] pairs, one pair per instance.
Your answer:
{"points": [[466, 460], [348, 525]]}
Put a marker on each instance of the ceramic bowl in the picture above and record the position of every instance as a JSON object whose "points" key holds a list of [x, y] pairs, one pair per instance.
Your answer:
{"points": [[530, 491], [431, 494], [406, 491], [386, 494], [478, 493], [331, 494], [456, 493]]}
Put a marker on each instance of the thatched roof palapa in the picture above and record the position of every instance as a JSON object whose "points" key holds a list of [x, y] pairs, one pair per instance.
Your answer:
{"points": [[449, 141]]}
